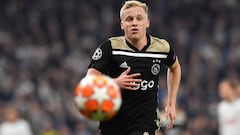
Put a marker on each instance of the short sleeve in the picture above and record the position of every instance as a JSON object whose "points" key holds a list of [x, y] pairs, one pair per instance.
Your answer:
{"points": [[171, 58], [101, 57]]}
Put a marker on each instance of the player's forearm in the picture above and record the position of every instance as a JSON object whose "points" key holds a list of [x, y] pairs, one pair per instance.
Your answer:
{"points": [[173, 82], [92, 71]]}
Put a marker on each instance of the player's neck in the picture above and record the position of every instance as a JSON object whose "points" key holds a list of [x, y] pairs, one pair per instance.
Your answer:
{"points": [[138, 43], [232, 98]]}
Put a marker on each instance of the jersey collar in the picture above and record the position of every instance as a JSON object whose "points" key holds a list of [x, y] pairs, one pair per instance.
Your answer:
{"points": [[144, 48]]}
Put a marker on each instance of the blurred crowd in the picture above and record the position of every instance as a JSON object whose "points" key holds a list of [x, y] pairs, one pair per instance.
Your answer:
{"points": [[45, 48]]}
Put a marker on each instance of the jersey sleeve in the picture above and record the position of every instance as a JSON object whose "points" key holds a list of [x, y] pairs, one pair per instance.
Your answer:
{"points": [[101, 57], [171, 58]]}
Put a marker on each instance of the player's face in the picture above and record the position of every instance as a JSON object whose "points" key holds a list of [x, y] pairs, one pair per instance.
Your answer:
{"points": [[224, 90], [11, 114], [134, 23]]}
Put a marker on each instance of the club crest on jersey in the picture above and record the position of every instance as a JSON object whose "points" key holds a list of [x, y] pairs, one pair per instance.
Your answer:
{"points": [[156, 67], [97, 54]]}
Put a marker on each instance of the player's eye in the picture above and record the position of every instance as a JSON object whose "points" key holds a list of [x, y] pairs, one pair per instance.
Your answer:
{"points": [[139, 18], [129, 19]]}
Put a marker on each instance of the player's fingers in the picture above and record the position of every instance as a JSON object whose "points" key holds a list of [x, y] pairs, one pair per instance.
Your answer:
{"points": [[172, 119], [127, 71], [137, 80], [170, 126], [134, 75], [133, 80], [129, 88], [131, 84]]}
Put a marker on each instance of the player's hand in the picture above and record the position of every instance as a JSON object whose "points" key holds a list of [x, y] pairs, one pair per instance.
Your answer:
{"points": [[128, 81], [170, 115]]}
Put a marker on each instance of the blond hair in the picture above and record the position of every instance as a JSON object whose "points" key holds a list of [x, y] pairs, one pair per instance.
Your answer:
{"points": [[133, 3]]}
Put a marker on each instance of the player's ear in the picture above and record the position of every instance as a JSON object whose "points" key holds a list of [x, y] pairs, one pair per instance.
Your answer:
{"points": [[121, 24], [148, 22]]}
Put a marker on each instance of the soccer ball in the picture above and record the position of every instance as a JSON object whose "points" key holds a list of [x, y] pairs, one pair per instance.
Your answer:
{"points": [[97, 97]]}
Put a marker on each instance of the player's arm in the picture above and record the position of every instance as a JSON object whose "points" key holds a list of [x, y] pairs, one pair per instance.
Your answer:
{"points": [[93, 71], [128, 81], [100, 65], [100, 59], [173, 82], [125, 80]]}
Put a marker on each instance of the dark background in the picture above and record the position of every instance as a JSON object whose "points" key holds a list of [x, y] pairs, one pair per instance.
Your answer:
{"points": [[45, 48]]}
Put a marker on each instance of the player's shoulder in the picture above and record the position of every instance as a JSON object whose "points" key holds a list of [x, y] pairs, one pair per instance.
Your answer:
{"points": [[157, 40], [119, 42], [159, 44], [238, 101], [116, 43], [117, 38], [223, 105]]}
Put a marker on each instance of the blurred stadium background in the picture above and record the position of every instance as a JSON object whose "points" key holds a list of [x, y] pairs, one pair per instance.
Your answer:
{"points": [[45, 48]]}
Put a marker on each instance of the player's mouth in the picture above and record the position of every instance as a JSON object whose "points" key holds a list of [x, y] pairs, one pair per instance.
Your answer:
{"points": [[134, 31]]}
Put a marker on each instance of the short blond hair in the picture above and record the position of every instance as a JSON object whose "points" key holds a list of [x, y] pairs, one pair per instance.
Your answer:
{"points": [[133, 3]]}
